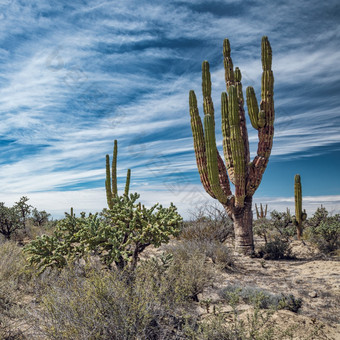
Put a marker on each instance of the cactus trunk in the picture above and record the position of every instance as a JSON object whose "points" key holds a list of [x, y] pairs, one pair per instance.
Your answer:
{"points": [[245, 175], [243, 226]]}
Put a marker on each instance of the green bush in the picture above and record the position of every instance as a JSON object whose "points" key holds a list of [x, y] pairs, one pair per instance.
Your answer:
{"points": [[279, 226], [118, 236], [276, 250], [324, 230]]}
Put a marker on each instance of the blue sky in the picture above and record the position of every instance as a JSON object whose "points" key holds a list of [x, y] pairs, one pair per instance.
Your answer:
{"points": [[76, 75]]}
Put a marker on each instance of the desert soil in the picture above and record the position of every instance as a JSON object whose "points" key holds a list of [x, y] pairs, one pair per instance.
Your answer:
{"points": [[312, 277]]}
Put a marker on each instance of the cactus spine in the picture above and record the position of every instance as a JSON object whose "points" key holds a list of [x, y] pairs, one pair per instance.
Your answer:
{"points": [[300, 215], [245, 175], [111, 183]]}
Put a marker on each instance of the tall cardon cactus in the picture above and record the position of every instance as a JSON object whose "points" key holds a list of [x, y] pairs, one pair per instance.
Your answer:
{"points": [[300, 215], [245, 175], [111, 186]]}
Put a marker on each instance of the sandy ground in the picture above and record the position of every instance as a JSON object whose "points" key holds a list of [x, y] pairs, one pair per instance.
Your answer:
{"points": [[311, 277]]}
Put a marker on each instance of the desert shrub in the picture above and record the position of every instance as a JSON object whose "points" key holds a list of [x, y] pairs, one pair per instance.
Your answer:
{"points": [[217, 252], [189, 273], [40, 218], [327, 234], [276, 249], [10, 221], [12, 276], [253, 325], [279, 226], [208, 223], [12, 262], [320, 215], [260, 298], [324, 230], [263, 228], [140, 304], [282, 223], [155, 301], [118, 236]]}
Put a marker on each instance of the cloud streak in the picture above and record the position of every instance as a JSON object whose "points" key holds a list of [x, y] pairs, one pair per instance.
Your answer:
{"points": [[74, 77]]}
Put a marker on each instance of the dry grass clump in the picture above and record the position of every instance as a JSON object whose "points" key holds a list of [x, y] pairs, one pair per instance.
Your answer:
{"points": [[149, 303], [13, 277]]}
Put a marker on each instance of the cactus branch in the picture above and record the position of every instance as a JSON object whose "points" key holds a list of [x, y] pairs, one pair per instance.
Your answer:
{"points": [[199, 143], [212, 163], [114, 170], [226, 137], [127, 184], [108, 183], [237, 146], [265, 121], [112, 192], [228, 64]]}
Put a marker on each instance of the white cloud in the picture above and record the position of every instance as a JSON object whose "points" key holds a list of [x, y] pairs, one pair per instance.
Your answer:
{"points": [[186, 198], [55, 59]]}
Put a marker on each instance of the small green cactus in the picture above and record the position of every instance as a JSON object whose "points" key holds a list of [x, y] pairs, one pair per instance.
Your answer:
{"points": [[300, 215], [111, 187]]}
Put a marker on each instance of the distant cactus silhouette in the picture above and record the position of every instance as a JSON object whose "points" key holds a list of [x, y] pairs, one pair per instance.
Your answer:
{"points": [[262, 213]]}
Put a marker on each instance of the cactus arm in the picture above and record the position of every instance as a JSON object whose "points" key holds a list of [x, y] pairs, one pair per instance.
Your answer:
{"points": [[265, 120], [243, 124], [212, 163], [108, 183], [223, 176], [206, 91], [253, 108], [199, 143], [208, 107], [228, 64], [237, 147], [114, 170], [127, 185], [257, 212], [226, 137], [238, 84]]}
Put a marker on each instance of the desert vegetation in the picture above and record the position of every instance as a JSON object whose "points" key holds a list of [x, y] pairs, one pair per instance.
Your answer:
{"points": [[137, 272], [67, 283]]}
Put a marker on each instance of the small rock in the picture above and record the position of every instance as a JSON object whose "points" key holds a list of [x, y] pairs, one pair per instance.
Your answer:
{"points": [[313, 294]]}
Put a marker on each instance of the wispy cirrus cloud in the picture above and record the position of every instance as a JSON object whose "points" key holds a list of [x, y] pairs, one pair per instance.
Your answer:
{"points": [[75, 76]]}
